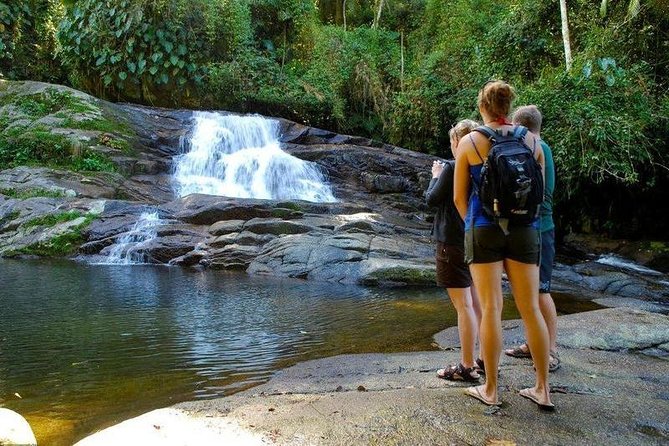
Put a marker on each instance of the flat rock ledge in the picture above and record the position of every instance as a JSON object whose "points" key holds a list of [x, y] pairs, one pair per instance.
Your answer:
{"points": [[610, 390]]}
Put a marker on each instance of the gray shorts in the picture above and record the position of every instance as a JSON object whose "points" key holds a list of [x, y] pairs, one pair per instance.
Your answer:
{"points": [[547, 259]]}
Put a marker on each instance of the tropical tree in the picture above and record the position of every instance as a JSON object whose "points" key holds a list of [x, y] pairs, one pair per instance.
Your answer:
{"points": [[565, 34]]}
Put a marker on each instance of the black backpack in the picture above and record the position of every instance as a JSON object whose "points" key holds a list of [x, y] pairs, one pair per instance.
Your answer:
{"points": [[512, 185]]}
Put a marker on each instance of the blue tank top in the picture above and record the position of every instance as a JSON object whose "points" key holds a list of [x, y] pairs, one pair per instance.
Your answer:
{"points": [[475, 217]]}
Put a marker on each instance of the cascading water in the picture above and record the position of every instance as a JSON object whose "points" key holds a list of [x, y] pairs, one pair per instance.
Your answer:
{"points": [[240, 156], [129, 248]]}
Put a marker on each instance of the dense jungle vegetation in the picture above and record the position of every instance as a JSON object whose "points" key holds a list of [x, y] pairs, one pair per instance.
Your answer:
{"points": [[402, 71]]}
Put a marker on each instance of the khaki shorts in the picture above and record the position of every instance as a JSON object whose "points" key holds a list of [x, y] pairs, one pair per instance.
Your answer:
{"points": [[488, 244]]}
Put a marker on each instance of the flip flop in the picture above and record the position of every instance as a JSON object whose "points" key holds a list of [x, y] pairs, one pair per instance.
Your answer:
{"points": [[474, 392], [518, 352], [525, 393]]}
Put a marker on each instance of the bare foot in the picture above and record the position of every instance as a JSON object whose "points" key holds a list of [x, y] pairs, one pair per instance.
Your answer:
{"points": [[541, 399], [479, 393]]}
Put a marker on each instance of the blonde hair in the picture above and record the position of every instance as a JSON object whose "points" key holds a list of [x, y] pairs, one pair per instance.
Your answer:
{"points": [[528, 116], [496, 98], [462, 128]]}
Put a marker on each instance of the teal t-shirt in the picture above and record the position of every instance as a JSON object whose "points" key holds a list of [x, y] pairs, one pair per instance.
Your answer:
{"points": [[546, 211]]}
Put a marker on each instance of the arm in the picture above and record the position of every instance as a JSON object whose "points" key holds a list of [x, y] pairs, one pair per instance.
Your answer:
{"points": [[461, 178], [437, 191]]}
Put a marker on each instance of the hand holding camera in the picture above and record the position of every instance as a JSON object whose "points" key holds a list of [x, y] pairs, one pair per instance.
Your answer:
{"points": [[437, 168]]}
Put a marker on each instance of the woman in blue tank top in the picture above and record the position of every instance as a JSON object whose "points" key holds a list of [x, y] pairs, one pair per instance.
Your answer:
{"points": [[490, 249]]}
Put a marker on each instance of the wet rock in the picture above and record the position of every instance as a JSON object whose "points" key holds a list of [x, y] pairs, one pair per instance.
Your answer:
{"points": [[226, 227], [232, 257], [275, 226]]}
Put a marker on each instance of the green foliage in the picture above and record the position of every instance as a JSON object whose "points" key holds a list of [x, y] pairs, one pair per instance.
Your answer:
{"points": [[52, 219], [38, 146], [405, 82], [61, 245], [353, 73], [48, 102], [600, 120], [31, 193], [28, 40], [148, 50]]}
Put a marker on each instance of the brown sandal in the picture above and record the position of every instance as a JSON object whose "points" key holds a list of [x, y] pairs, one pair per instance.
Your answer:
{"points": [[518, 352], [459, 373]]}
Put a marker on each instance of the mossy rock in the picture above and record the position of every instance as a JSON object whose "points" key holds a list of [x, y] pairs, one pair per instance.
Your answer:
{"points": [[406, 275]]}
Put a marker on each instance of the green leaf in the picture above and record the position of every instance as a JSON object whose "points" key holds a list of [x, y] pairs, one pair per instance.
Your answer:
{"points": [[101, 60], [156, 56], [132, 66], [123, 75], [174, 59], [107, 80], [153, 70], [182, 80], [168, 46], [182, 50], [141, 64], [164, 78]]}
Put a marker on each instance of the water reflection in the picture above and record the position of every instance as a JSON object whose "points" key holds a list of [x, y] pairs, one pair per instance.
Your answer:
{"points": [[87, 345]]}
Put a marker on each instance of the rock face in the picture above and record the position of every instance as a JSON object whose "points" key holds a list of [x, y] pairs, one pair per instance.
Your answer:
{"points": [[378, 233]]}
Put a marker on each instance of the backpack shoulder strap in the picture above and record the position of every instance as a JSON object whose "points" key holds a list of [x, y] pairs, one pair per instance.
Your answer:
{"points": [[487, 132], [520, 132]]}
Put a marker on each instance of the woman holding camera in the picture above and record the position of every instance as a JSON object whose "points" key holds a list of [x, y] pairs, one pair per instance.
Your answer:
{"points": [[452, 271]]}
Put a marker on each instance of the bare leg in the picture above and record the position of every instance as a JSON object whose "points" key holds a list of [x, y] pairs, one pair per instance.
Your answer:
{"points": [[468, 326], [488, 280], [548, 311], [524, 280], [476, 303]]}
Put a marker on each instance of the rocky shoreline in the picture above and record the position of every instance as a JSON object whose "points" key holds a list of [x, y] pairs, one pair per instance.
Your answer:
{"points": [[610, 390]]}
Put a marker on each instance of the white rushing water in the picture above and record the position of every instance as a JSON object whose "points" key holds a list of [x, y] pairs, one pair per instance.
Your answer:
{"points": [[129, 248], [619, 262], [240, 156]]}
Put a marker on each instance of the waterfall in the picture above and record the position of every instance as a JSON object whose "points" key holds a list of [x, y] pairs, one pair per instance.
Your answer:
{"points": [[240, 156], [128, 249]]}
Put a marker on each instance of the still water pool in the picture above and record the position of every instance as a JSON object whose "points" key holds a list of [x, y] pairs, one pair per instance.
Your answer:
{"points": [[85, 346]]}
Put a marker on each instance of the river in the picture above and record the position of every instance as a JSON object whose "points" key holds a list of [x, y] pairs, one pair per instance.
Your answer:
{"points": [[85, 346]]}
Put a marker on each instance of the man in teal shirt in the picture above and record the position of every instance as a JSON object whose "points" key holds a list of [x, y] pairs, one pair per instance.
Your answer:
{"points": [[530, 117]]}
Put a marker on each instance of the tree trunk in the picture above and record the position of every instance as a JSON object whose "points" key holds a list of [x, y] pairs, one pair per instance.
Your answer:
{"points": [[402, 60], [343, 7], [565, 34], [377, 19], [339, 14]]}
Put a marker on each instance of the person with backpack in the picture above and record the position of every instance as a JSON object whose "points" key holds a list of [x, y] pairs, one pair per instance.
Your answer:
{"points": [[452, 272], [530, 117], [498, 188]]}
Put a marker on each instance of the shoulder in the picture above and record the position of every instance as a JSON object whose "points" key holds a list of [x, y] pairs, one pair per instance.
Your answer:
{"points": [[471, 143]]}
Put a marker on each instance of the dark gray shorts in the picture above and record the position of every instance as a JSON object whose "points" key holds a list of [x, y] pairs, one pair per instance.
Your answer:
{"points": [[452, 271], [489, 244]]}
